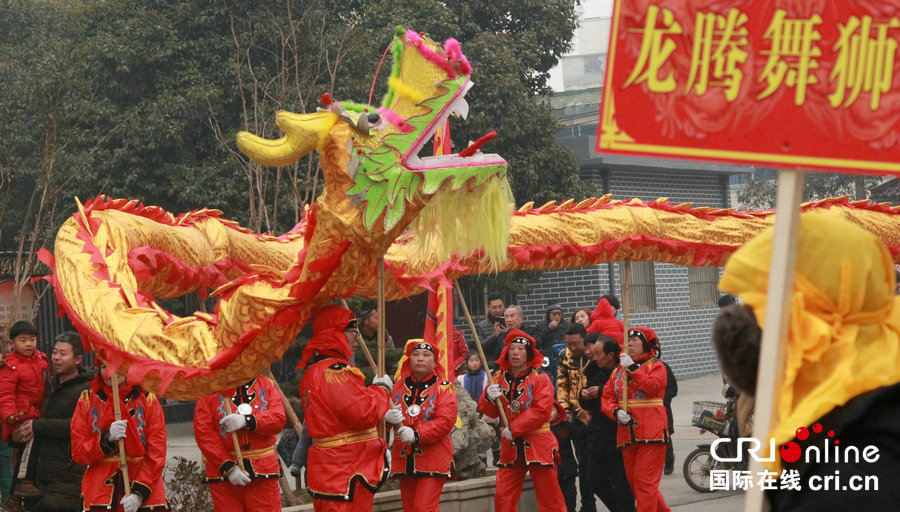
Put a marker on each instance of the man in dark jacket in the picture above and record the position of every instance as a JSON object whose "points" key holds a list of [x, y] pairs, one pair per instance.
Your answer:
{"points": [[605, 471], [57, 476], [552, 330]]}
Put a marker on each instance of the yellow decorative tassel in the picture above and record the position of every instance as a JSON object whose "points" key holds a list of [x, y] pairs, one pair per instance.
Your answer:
{"points": [[461, 221]]}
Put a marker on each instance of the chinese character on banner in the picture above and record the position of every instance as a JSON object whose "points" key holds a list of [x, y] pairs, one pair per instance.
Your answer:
{"points": [[792, 55], [720, 480], [863, 64], [728, 37], [790, 480], [655, 51], [742, 480], [768, 480]]}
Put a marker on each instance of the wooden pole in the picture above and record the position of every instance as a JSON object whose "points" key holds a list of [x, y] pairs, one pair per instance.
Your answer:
{"points": [[626, 313], [484, 363], [770, 374], [234, 439], [123, 459], [381, 326]]}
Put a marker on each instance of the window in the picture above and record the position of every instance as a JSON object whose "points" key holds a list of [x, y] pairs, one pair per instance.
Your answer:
{"points": [[703, 283], [643, 285]]}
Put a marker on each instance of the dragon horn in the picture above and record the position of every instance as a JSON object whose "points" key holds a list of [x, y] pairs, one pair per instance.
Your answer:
{"points": [[303, 133]]}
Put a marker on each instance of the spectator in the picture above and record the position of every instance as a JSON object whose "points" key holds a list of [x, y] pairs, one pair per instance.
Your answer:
{"points": [[57, 476], [671, 392], [475, 379], [368, 328], [582, 316], [726, 300], [493, 323], [22, 384], [458, 352], [569, 383], [553, 329], [514, 319], [603, 320], [605, 470]]}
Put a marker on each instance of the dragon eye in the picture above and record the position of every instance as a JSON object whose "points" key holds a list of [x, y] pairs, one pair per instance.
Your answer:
{"points": [[374, 118]]}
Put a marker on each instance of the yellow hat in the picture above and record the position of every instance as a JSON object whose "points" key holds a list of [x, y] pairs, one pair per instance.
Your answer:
{"points": [[844, 333]]}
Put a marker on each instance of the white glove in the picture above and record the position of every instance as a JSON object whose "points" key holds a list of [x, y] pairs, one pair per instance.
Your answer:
{"points": [[233, 422], [394, 416], [623, 417], [117, 430], [130, 503], [407, 435], [625, 360], [507, 433], [383, 380], [493, 391], [237, 476]]}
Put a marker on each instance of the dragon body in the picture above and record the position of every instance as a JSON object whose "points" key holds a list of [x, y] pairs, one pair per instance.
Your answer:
{"points": [[432, 219]]}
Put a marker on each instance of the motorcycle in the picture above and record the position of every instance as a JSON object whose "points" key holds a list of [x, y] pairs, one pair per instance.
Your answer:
{"points": [[719, 419]]}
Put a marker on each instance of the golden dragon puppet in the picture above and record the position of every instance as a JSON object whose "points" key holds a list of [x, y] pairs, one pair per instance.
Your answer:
{"points": [[432, 219]]}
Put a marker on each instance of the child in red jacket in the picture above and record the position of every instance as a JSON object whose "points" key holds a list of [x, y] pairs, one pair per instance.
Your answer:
{"points": [[22, 381]]}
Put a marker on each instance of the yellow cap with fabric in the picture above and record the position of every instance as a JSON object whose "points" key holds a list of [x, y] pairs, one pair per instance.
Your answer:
{"points": [[844, 333]]}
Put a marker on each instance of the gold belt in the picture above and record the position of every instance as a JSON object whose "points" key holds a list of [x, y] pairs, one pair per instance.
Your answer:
{"points": [[346, 438], [647, 402], [543, 428], [129, 459], [255, 454]]}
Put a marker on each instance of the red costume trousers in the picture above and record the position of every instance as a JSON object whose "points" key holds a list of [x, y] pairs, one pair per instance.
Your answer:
{"points": [[643, 467], [546, 488], [362, 502], [260, 495], [421, 493]]}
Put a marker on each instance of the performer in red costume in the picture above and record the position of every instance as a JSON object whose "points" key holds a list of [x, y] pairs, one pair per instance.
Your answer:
{"points": [[255, 412], [642, 434], [422, 454], [94, 436], [347, 461], [526, 445]]}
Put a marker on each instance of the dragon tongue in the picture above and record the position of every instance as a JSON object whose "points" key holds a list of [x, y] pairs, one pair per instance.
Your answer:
{"points": [[475, 146]]}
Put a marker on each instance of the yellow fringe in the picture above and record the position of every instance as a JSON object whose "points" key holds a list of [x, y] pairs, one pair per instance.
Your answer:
{"points": [[404, 90], [459, 222]]}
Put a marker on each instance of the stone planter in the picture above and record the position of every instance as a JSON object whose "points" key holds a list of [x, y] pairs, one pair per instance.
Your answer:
{"points": [[473, 495]]}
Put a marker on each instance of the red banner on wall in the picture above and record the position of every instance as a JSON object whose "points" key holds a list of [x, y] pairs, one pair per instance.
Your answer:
{"points": [[808, 84]]}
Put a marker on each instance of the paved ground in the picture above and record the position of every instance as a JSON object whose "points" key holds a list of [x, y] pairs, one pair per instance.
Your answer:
{"points": [[677, 493]]}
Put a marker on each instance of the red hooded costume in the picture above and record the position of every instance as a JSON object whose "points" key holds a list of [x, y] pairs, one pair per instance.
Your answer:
{"points": [[429, 408], [145, 447], [347, 460], [604, 321], [643, 441], [528, 400], [257, 442]]}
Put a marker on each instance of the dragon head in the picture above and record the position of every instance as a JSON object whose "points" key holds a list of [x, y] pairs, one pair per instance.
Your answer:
{"points": [[370, 156]]}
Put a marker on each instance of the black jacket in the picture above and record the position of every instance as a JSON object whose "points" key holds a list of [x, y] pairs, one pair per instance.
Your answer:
{"points": [[601, 436], [57, 476], [870, 419], [671, 392]]}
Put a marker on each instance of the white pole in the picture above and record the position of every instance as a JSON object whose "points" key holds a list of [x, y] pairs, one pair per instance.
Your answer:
{"points": [[781, 283]]}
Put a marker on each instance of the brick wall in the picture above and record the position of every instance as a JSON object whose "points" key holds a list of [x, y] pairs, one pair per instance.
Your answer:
{"points": [[683, 331]]}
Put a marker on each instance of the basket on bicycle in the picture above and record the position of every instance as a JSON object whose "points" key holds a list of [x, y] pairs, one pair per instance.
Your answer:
{"points": [[709, 416]]}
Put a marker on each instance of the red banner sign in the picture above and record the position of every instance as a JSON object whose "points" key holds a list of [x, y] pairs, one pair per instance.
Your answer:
{"points": [[808, 84]]}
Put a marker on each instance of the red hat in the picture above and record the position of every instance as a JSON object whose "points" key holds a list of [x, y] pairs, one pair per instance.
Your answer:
{"points": [[405, 371], [328, 334], [647, 335], [535, 358]]}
